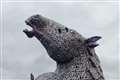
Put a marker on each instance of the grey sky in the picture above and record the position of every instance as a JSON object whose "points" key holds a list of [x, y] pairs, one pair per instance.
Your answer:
{"points": [[21, 55], [62, 0]]}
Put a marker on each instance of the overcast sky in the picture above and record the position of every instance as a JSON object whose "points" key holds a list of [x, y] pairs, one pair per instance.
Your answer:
{"points": [[22, 55]]}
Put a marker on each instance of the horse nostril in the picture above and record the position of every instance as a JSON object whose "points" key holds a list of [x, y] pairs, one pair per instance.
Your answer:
{"points": [[59, 30]]}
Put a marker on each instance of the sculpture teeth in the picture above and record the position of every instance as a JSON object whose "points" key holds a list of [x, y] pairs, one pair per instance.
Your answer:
{"points": [[26, 30]]}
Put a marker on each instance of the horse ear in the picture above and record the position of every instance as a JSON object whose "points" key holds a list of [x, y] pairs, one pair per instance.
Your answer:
{"points": [[91, 42]]}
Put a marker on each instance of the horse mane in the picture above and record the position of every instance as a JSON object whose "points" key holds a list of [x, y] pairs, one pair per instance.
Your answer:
{"points": [[94, 67]]}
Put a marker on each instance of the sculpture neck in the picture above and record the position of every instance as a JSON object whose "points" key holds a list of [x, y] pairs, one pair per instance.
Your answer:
{"points": [[84, 67], [78, 63]]}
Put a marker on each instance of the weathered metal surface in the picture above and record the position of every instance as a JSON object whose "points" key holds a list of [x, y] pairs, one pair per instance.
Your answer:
{"points": [[74, 54]]}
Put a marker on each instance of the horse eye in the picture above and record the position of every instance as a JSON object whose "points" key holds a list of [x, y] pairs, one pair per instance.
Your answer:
{"points": [[66, 29], [59, 30], [71, 31]]}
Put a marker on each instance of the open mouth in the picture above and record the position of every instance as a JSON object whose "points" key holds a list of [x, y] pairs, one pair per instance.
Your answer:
{"points": [[29, 33], [29, 24]]}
